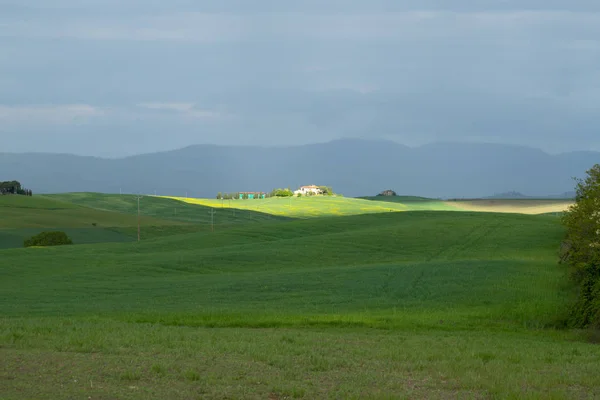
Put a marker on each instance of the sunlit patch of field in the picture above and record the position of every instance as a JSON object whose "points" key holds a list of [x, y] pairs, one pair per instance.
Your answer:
{"points": [[309, 207], [513, 206], [303, 207]]}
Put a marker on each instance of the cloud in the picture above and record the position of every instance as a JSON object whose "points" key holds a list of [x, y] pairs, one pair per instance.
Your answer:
{"points": [[186, 109], [53, 114], [181, 107], [274, 72], [205, 27]]}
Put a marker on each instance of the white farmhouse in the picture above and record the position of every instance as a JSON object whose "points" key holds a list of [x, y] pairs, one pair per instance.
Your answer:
{"points": [[305, 190]]}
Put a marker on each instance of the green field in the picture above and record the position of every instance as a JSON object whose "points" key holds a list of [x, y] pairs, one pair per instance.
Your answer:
{"points": [[23, 217], [318, 206], [323, 206], [97, 218], [415, 304], [166, 209]]}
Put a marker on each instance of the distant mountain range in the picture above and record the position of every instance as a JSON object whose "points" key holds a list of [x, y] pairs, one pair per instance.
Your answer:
{"points": [[352, 167]]}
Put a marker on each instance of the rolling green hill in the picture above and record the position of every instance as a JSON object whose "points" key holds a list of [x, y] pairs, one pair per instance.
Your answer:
{"points": [[166, 208], [97, 218], [23, 217], [417, 304], [343, 304], [318, 206], [325, 270]]}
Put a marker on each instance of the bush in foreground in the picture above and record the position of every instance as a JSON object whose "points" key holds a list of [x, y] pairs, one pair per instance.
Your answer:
{"points": [[583, 250], [56, 238]]}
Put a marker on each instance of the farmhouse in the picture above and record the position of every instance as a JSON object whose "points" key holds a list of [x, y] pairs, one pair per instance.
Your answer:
{"points": [[312, 189]]}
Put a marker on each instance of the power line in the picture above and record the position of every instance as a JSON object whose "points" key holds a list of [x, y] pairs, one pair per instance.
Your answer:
{"points": [[212, 219], [138, 215]]}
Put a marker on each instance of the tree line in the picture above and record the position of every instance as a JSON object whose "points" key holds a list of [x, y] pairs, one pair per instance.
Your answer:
{"points": [[581, 251], [14, 187], [240, 195], [287, 192]]}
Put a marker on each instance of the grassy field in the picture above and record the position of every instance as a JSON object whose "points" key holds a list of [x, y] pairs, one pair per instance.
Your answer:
{"points": [[23, 217], [527, 206], [318, 206], [98, 218], [167, 209], [386, 305]]}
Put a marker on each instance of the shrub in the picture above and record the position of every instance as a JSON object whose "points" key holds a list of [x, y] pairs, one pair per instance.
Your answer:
{"points": [[326, 190], [55, 238], [582, 250], [282, 193]]}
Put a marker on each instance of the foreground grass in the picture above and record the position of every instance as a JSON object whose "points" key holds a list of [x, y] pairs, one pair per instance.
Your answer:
{"points": [[97, 359], [389, 305], [396, 266]]}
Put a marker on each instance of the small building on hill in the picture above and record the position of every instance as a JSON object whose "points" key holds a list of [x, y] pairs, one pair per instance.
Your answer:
{"points": [[308, 190], [252, 195]]}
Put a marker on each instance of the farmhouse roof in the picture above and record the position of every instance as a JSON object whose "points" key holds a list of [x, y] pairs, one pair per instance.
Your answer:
{"points": [[310, 187]]}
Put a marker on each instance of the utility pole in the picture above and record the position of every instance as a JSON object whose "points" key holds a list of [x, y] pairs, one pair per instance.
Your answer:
{"points": [[138, 215], [212, 219]]}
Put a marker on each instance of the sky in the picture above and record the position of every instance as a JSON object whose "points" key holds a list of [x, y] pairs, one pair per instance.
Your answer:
{"points": [[118, 77]]}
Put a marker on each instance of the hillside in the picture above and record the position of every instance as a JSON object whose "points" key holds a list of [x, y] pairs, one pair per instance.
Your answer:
{"points": [[165, 208], [323, 206], [318, 206], [23, 217], [351, 167], [357, 264], [98, 218], [343, 304]]}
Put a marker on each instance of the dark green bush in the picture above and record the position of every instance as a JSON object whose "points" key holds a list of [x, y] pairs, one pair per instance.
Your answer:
{"points": [[581, 250], [55, 238]]}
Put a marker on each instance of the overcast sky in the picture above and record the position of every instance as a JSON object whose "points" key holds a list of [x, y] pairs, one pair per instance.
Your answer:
{"points": [[118, 77]]}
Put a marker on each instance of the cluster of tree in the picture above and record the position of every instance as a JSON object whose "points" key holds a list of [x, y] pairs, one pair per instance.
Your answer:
{"points": [[244, 196], [53, 238], [326, 190], [581, 250], [388, 192], [282, 193], [14, 187]]}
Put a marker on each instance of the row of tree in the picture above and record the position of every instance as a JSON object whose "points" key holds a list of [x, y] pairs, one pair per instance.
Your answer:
{"points": [[581, 250], [14, 187], [287, 192]]}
